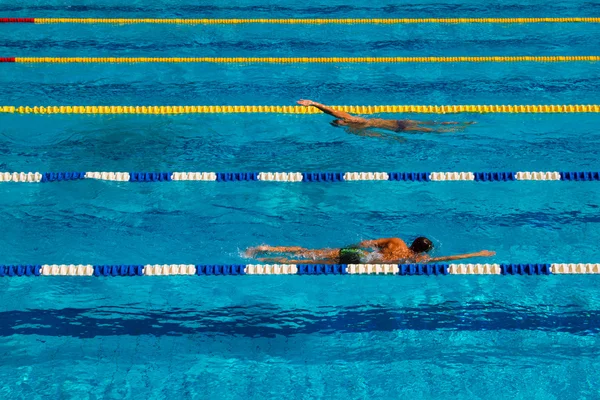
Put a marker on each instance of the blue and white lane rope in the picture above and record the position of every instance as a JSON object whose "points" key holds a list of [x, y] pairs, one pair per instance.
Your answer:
{"points": [[34, 177], [298, 269]]}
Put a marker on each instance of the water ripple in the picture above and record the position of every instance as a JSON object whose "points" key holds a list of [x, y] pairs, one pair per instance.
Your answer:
{"points": [[263, 320]]}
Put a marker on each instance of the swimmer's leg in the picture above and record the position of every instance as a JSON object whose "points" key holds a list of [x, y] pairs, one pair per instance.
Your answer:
{"points": [[380, 135], [365, 132], [320, 254], [415, 122], [417, 128], [458, 123], [293, 250], [306, 253], [265, 249], [276, 260], [432, 130], [281, 249], [283, 260]]}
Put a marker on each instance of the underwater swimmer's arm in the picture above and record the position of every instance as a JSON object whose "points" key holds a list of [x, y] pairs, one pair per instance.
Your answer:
{"points": [[328, 110]]}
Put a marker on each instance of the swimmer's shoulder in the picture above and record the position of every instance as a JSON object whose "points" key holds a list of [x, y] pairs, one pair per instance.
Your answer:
{"points": [[395, 243]]}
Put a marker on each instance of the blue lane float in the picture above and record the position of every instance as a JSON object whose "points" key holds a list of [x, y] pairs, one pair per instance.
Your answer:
{"points": [[322, 269], [220, 269], [236, 176], [525, 269], [62, 176], [294, 269], [118, 270], [409, 176], [149, 176], [495, 176], [580, 176], [20, 270], [423, 269]]}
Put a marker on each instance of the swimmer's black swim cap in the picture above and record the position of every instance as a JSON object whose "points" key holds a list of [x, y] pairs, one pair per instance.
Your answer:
{"points": [[421, 245]]}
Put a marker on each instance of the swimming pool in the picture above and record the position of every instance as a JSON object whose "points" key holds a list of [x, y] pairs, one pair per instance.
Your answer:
{"points": [[297, 336]]}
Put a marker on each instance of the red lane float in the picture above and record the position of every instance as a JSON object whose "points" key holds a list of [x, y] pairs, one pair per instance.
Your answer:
{"points": [[17, 20], [7, 59]]}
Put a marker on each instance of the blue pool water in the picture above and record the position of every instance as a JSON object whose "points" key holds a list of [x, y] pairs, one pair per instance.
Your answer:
{"points": [[328, 337]]}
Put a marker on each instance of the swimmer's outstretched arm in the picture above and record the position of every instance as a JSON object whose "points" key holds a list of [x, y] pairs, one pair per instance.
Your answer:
{"points": [[483, 253], [328, 110]]}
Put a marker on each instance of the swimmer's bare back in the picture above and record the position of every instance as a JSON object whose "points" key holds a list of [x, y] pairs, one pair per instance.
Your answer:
{"points": [[394, 125]]}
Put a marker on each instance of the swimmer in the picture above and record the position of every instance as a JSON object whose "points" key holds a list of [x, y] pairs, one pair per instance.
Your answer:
{"points": [[357, 124], [392, 250]]}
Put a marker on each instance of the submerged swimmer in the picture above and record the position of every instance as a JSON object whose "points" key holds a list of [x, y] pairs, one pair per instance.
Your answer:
{"points": [[355, 123], [392, 250]]}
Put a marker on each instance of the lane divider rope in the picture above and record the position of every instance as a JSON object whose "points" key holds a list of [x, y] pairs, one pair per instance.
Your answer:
{"points": [[36, 177], [415, 109], [299, 21], [294, 60], [296, 269]]}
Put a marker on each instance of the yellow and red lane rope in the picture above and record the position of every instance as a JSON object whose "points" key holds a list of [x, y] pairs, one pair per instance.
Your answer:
{"points": [[299, 21], [373, 109], [296, 60]]}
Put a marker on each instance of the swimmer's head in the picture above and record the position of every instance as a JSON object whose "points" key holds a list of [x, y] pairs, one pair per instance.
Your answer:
{"points": [[339, 122], [421, 245]]}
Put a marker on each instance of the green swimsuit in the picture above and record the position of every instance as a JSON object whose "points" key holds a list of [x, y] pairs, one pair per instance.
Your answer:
{"points": [[349, 255]]}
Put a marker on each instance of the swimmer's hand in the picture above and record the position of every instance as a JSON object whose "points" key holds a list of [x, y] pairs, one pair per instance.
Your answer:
{"points": [[251, 252], [486, 253], [421, 259], [306, 103]]}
